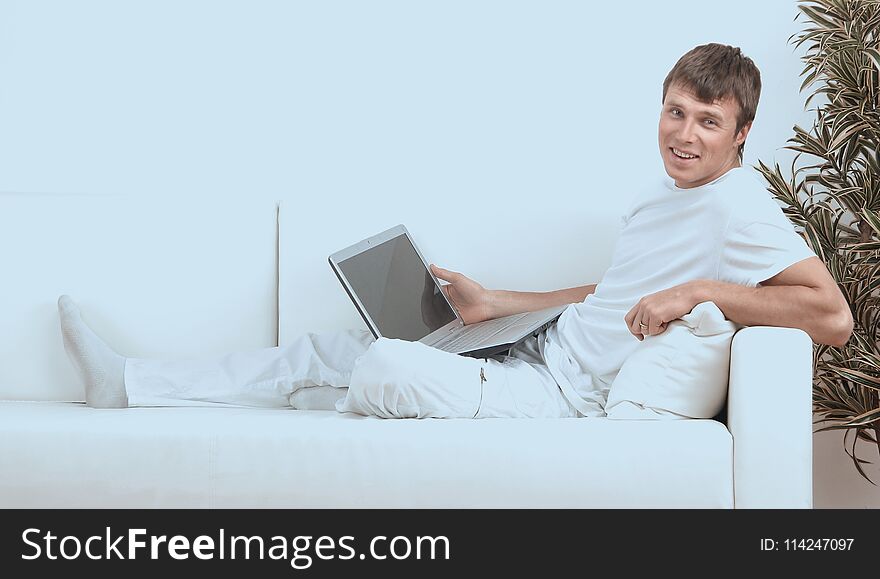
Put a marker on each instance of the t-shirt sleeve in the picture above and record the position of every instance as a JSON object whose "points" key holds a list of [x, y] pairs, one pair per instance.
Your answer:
{"points": [[762, 247]]}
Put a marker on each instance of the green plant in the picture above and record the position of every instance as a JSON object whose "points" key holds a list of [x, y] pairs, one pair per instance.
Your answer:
{"points": [[835, 204]]}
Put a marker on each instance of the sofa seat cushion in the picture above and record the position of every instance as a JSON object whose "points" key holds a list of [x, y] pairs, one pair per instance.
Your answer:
{"points": [[57, 454]]}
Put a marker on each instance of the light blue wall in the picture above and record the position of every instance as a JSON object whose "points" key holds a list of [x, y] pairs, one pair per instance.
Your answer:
{"points": [[499, 105]]}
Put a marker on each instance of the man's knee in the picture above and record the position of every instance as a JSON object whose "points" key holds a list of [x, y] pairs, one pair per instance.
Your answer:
{"points": [[396, 378], [383, 361], [380, 382]]}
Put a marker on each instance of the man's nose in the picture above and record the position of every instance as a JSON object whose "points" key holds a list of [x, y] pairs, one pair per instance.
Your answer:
{"points": [[688, 132]]}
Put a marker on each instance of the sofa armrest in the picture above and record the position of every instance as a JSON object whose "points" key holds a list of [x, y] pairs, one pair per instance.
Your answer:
{"points": [[770, 416]]}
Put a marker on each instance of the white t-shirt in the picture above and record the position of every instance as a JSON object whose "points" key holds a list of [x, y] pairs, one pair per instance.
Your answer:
{"points": [[730, 230]]}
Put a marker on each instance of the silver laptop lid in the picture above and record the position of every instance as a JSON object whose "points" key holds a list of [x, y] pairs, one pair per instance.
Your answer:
{"points": [[392, 287]]}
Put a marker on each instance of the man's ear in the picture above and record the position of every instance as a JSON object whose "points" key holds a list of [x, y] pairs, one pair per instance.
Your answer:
{"points": [[743, 133]]}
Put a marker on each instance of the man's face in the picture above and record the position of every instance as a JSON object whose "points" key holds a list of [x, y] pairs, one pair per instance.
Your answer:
{"points": [[706, 131]]}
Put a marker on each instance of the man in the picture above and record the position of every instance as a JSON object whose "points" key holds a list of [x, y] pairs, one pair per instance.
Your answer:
{"points": [[708, 233]]}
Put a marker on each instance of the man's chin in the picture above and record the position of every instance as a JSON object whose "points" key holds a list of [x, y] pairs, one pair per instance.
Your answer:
{"points": [[675, 173], [681, 178]]}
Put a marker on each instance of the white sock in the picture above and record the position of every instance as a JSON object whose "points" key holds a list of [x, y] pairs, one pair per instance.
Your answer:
{"points": [[317, 397], [100, 368]]}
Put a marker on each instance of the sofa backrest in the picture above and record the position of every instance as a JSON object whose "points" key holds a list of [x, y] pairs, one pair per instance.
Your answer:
{"points": [[154, 277]]}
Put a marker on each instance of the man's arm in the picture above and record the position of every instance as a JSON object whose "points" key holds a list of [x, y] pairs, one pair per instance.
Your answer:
{"points": [[476, 304], [505, 302], [803, 296]]}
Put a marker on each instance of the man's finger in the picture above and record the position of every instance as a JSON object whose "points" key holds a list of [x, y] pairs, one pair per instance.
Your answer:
{"points": [[444, 274], [629, 316], [632, 322]]}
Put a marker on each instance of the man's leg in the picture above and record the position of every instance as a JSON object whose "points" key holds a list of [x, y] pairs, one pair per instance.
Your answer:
{"points": [[270, 377], [400, 379]]}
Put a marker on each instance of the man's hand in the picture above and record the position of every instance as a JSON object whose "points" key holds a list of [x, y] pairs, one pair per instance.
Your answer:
{"points": [[472, 300], [654, 311]]}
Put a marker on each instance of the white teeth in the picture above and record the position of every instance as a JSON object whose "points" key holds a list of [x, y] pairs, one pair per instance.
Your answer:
{"points": [[682, 155]]}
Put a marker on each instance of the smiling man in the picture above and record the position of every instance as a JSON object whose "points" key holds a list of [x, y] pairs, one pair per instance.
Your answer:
{"points": [[709, 102], [707, 232]]}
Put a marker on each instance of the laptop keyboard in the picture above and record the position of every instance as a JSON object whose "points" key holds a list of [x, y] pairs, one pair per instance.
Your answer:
{"points": [[474, 336]]}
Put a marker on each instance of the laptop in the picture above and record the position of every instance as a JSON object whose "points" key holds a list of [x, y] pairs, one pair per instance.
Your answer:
{"points": [[396, 294]]}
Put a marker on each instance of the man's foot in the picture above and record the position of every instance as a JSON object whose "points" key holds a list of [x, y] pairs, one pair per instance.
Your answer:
{"points": [[101, 369]]}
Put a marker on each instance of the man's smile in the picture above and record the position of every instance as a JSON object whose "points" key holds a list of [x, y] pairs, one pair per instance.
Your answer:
{"points": [[683, 157]]}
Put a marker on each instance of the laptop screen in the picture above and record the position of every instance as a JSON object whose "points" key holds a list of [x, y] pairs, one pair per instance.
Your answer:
{"points": [[397, 290]]}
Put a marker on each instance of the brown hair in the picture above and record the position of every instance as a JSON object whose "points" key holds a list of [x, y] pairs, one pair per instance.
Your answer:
{"points": [[715, 72]]}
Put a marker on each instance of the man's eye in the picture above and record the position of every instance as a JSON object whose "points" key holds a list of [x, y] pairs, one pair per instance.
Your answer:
{"points": [[710, 121], [675, 111]]}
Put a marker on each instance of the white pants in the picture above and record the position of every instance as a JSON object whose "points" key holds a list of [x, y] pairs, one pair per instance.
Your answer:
{"points": [[386, 378]]}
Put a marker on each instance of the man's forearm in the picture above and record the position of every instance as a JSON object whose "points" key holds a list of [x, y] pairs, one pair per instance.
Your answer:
{"points": [[505, 303], [782, 306]]}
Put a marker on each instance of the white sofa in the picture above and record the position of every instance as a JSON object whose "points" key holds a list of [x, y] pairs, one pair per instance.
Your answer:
{"points": [[188, 279]]}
